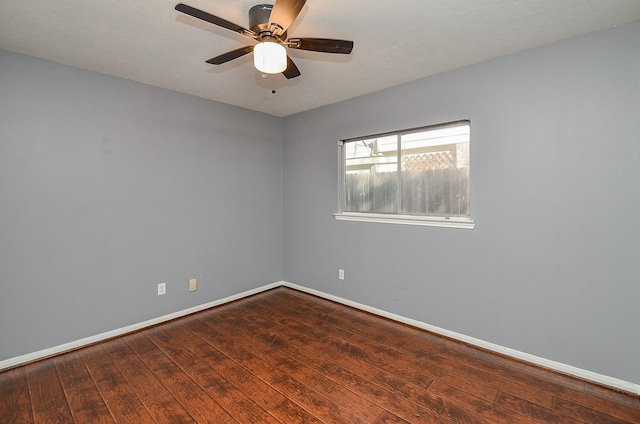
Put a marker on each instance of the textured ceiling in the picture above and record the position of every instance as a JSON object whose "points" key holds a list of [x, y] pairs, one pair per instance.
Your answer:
{"points": [[396, 41]]}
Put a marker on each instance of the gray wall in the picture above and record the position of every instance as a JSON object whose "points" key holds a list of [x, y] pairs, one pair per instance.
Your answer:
{"points": [[109, 187], [551, 268]]}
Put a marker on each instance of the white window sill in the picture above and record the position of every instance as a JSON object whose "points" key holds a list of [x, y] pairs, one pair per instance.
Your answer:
{"points": [[431, 221]]}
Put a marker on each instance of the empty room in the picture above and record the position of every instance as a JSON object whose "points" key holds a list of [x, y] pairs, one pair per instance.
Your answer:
{"points": [[320, 211]]}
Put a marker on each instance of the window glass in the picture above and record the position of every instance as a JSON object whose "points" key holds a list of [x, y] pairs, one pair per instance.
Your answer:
{"points": [[431, 178]]}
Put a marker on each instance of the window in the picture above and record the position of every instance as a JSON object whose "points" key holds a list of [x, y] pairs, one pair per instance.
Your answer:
{"points": [[418, 176]]}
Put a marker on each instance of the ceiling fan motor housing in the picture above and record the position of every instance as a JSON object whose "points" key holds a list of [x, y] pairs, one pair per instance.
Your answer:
{"points": [[259, 17]]}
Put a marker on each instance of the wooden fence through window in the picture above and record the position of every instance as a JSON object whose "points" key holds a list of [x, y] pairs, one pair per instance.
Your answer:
{"points": [[431, 192]]}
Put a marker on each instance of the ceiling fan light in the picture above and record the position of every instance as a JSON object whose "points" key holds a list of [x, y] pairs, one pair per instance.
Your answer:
{"points": [[270, 57]]}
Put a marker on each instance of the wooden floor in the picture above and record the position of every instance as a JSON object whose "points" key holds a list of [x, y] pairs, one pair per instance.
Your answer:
{"points": [[287, 357]]}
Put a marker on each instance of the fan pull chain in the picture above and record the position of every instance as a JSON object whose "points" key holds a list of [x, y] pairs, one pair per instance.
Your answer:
{"points": [[273, 85]]}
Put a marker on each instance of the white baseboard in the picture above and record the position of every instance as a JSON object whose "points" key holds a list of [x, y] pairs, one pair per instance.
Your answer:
{"points": [[30, 357], [605, 380], [553, 365]]}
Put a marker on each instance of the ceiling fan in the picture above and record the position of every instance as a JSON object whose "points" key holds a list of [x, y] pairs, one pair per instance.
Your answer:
{"points": [[268, 25]]}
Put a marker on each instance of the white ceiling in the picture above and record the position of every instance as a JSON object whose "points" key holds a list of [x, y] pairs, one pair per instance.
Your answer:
{"points": [[396, 41]]}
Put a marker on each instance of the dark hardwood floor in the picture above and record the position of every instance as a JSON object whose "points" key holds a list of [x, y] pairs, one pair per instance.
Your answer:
{"points": [[283, 356]]}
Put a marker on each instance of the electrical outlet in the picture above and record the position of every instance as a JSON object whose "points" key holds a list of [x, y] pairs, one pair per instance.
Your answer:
{"points": [[341, 274], [193, 284], [162, 289]]}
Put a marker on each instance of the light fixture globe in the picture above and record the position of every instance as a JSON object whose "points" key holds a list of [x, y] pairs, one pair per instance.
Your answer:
{"points": [[270, 57]]}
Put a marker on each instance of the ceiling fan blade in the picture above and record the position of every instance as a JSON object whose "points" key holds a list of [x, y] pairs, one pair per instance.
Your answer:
{"points": [[292, 70], [283, 14], [197, 13], [234, 54], [325, 45]]}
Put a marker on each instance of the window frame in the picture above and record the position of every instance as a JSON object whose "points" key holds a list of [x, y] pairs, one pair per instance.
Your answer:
{"points": [[396, 218]]}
